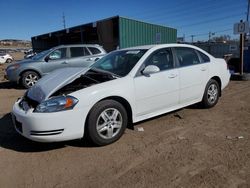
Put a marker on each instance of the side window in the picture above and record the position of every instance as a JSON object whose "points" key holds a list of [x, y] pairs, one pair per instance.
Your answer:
{"points": [[162, 58], [204, 57], [58, 54], [86, 52], [78, 51], [94, 50], [186, 56]]}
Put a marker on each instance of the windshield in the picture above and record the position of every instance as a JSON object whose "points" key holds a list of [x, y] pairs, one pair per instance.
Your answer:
{"points": [[41, 54], [119, 62]]}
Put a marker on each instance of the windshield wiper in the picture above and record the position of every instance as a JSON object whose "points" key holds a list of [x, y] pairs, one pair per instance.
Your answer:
{"points": [[106, 72]]}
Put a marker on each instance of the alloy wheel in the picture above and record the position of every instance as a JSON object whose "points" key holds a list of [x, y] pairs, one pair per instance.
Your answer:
{"points": [[109, 123], [31, 79], [212, 93]]}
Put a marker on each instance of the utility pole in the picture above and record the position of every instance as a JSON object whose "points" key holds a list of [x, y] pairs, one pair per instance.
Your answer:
{"points": [[64, 22], [246, 35], [248, 9], [241, 51], [192, 38], [210, 34]]}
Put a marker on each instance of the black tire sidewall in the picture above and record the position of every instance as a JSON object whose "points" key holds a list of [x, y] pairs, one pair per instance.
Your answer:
{"points": [[92, 133], [8, 60], [205, 102], [24, 75]]}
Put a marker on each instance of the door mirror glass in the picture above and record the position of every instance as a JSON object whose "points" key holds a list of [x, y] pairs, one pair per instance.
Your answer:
{"points": [[46, 59], [150, 69]]}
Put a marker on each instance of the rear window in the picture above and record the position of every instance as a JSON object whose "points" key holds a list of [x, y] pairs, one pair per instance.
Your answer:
{"points": [[94, 50], [186, 56], [79, 51], [204, 57]]}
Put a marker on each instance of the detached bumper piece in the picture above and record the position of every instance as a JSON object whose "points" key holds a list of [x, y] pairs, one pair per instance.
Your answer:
{"points": [[46, 133]]}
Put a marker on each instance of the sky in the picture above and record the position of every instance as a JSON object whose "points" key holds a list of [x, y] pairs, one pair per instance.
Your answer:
{"points": [[22, 19]]}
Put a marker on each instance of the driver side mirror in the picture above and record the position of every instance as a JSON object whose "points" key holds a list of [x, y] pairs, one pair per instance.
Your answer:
{"points": [[47, 59], [150, 69]]}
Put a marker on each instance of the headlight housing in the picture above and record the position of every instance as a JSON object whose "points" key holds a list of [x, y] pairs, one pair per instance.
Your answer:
{"points": [[13, 67], [57, 104]]}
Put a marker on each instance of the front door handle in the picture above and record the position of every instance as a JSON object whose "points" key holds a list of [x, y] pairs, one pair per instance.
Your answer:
{"points": [[64, 62]]}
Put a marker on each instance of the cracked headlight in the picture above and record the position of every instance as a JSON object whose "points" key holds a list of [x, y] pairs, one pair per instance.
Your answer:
{"points": [[57, 104]]}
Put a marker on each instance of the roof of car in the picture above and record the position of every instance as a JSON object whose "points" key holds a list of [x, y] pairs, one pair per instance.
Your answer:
{"points": [[77, 45], [147, 47], [159, 45]]}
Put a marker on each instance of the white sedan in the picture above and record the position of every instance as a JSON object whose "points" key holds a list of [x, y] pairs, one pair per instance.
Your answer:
{"points": [[124, 87], [5, 58]]}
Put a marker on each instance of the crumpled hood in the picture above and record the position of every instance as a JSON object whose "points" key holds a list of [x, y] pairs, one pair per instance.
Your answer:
{"points": [[54, 81]]}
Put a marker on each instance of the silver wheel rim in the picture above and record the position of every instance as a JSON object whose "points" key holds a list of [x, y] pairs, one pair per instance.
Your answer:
{"points": [[31, 79], [212, 93], [109, 123]]}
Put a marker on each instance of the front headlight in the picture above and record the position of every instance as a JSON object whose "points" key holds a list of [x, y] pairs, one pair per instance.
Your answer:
{"points": [[57, 104], [12, 67]]}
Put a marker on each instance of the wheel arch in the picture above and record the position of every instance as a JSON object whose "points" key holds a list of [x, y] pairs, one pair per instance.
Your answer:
{"points": [[217, 79], [8, 59], [26, 70], [125, 104]]}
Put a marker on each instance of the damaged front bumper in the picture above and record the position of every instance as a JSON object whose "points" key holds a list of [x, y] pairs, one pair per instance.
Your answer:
{"points": [[49, 127]]}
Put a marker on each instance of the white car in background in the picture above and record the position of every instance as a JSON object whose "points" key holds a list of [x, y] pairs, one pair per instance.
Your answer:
{"points": [[5, 58], [126, 86]]}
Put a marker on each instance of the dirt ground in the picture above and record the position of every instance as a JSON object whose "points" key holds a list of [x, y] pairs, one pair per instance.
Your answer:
{"points": [[191, 147]]}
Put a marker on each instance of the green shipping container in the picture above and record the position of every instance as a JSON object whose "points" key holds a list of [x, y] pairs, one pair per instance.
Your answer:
{"points": [[111, 33], [135, 33]]}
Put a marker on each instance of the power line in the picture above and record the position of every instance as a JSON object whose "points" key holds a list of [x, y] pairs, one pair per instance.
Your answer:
{"points": [[209, 20], [167, 15], [189, 6], [203, 34]]}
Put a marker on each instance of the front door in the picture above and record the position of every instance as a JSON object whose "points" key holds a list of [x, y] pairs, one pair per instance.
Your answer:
{"points": [[55, 60], [158, 91]]}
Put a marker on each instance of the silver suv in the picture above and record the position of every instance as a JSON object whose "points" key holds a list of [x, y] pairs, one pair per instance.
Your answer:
{"points": [[28, 71]]}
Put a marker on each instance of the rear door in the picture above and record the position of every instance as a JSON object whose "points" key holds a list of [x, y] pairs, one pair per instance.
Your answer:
{"points": [[192, 73], [80, 57]]}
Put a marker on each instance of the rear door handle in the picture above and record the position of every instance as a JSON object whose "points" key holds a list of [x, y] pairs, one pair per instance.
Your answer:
{"points": [[90, 59], [64, 62], [203, 69], [172, 75]]}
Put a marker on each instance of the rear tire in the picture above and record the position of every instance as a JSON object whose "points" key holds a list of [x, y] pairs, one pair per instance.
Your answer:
{"points": [[211, 94], [106, 122], [29, 78]]}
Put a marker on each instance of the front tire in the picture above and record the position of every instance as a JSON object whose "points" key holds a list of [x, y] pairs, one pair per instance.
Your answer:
{"points": [[29, 79], [211, 94], [106, 122], [8, 60]]}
